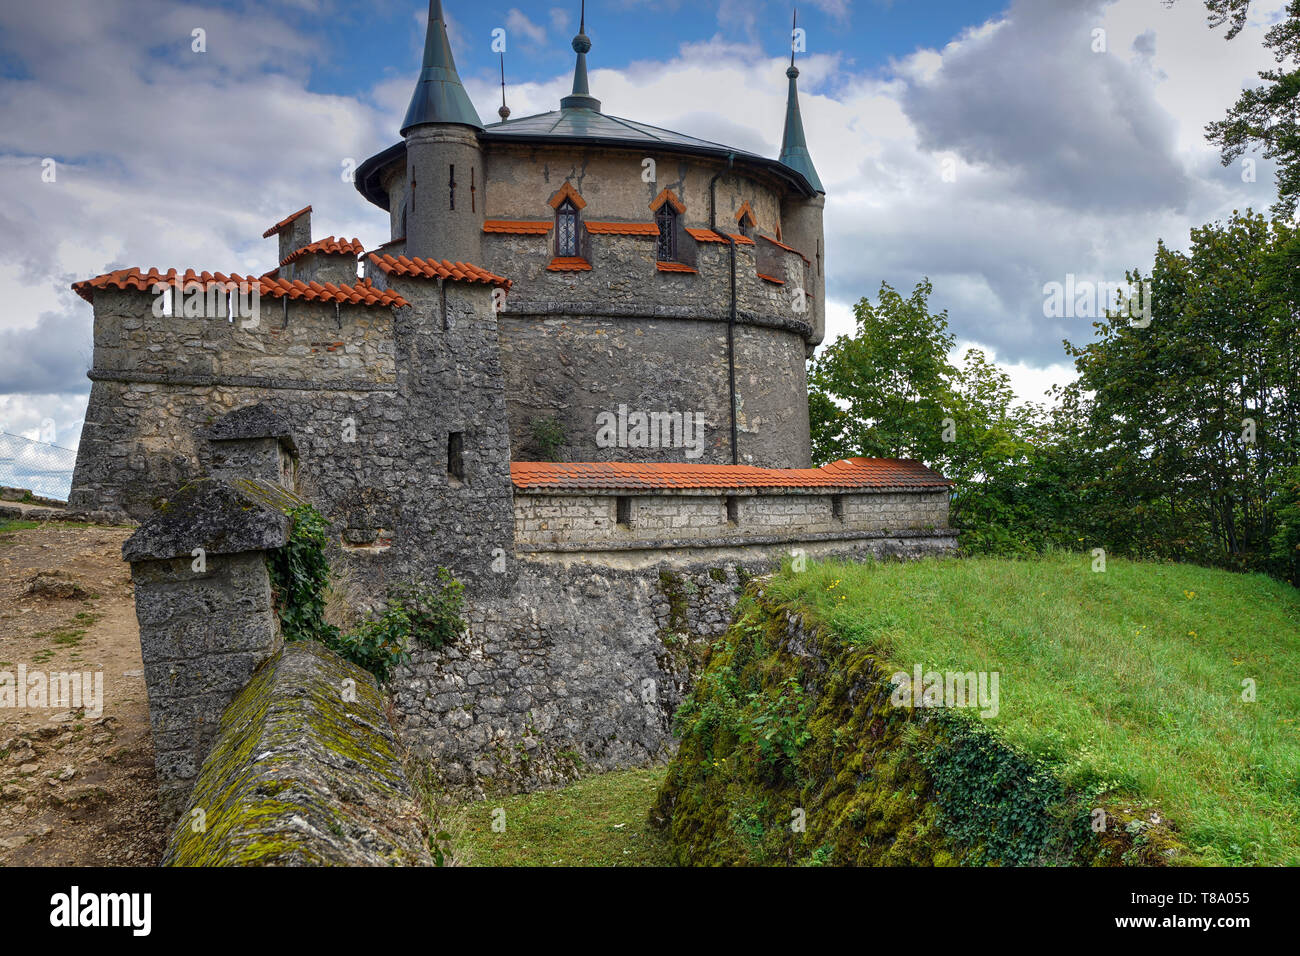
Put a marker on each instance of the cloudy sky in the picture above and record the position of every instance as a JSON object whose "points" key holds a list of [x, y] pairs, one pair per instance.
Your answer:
{"points": [[992, 146]]}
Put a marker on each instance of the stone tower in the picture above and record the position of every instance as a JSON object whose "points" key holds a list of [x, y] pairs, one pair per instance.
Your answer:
{"points": [[443, 215]]}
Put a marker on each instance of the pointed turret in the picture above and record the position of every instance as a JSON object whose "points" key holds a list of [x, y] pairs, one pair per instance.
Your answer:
{"points": [[442, 214], [794, 148], [581, 98], [439, 96]]}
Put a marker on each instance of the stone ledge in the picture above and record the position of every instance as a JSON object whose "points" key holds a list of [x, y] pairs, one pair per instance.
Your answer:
{"points": [[252, 422], [301, 776], [236, 381], [219, 517], [738, 541], [546, 308]]}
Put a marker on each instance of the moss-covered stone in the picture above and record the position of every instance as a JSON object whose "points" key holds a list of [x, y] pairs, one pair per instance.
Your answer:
{"points": [[793, 753], [305, 772]]}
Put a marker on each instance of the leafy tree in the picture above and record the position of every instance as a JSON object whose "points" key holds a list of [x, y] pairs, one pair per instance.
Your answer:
{"points": [[890, 391], [1267, 116], [1186, 420], [883, 392]]}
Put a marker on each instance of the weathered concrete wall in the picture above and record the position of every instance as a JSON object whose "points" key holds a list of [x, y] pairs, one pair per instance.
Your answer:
{"points": [[201, 638], [305, 772], [586, 678], [672, 519]]}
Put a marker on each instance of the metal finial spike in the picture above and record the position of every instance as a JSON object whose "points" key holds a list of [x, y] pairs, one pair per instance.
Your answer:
{"points": [[582, 18], [504, 111], [794, 25]]}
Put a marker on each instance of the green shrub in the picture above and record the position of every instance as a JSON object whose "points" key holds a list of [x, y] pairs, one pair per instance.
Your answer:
{"points": [[433, 611], [300, 574], [548, 434]]}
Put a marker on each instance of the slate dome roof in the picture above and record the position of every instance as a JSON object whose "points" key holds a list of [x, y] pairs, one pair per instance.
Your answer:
{"points": [[578, 122]]}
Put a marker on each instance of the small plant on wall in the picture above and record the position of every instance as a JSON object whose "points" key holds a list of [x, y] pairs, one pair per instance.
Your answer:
{"points": [[548, 435], [429, 613]]}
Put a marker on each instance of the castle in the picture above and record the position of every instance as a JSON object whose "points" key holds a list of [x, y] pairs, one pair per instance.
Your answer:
{"points": [[575, 376]]}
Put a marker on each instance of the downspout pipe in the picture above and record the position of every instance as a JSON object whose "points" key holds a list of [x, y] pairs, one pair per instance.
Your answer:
{"points": [[731, 312]]}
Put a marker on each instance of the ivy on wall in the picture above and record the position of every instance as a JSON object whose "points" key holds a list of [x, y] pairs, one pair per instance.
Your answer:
{"points": [[429, 613]]}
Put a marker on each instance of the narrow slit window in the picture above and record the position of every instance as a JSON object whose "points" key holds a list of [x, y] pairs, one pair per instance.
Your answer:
{"points": [[456, 458], [451, 185], [623, 512], [733, 510], [837, 507], [566, 229], [666, 220]]}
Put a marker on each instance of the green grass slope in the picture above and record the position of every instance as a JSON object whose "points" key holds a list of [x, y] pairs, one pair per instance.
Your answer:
{"points": [[1127, 689]]}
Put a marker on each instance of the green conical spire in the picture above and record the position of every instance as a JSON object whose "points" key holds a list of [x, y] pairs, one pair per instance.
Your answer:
{"points": [[439, 96], [794, 148], [581, 97]]}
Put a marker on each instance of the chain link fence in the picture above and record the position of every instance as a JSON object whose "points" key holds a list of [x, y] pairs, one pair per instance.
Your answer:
{"points": [[42, 469]]}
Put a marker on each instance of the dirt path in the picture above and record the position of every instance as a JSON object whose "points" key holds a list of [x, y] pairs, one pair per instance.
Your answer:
{"points": [[76, 787]]}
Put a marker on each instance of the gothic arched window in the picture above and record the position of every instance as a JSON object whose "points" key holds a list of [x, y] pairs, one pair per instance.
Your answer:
{"points": [[566, 229], [666, 220]]}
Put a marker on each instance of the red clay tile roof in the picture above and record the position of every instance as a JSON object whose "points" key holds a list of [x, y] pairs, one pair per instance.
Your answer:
{"points": [[746, 211], [361, 293], [566, 192], [741, 240], [674, 267], [777, 242], [670, 197], [768, 278], [875, 473], [517, 227], [704, 235], [623, 228], [433, 269], [569, 264], [284, 222], [327, 247]]}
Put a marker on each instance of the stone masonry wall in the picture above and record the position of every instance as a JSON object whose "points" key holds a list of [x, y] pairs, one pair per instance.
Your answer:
{"points": [[372, 396], [201, 637], [672, 519], [305, 772], [580, 666]]}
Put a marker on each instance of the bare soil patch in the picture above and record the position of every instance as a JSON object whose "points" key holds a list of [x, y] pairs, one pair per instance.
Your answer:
{"points": [[76, 788]]}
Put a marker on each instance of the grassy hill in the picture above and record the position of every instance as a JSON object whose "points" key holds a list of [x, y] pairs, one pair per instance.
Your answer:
{"points": [[1122, 689]]}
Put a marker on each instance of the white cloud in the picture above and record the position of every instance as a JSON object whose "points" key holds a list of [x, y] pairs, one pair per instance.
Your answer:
{"points": [[517, 23], [183, 160]]}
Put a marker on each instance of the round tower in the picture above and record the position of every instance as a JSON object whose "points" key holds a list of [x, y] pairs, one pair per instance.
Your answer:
{"points": [[443, 214]]}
